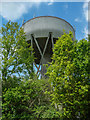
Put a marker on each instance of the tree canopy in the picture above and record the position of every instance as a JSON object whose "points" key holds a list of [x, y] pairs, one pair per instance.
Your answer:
{"points": [[69, 77], [17, 59], [62, 95]]}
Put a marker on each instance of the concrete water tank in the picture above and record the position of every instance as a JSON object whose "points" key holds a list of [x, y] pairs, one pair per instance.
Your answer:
{"points": [[42, 32]]}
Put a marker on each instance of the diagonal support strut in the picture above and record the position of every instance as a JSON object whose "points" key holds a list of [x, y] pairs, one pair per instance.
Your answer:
{"points": [[42, 54]]}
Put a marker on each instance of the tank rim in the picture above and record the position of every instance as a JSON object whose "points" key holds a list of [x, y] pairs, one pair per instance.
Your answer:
{"points": [[48, 16]]}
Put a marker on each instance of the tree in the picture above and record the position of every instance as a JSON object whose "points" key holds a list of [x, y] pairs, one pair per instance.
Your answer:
{"points": [[17, 60], [28, 101], [20, 102], [24, 95], [69, 77]]}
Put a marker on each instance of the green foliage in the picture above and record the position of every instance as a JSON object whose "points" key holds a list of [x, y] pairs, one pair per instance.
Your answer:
{"points": [[28, 101], [61, 96], [17, 59], [24, 96], [20, 101], [69, 77]]}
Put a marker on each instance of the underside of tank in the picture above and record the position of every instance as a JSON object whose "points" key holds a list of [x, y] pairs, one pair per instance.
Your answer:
{"points": [[41, 43]]}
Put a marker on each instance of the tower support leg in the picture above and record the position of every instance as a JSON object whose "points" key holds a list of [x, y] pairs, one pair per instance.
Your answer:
{"points": [[42, 61]]}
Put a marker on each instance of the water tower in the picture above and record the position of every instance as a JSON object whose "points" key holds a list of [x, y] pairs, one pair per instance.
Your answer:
{"points": [[41, 33]]}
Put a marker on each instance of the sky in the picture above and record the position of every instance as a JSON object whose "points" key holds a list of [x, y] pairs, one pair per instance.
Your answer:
{"points": [[76, 13]]}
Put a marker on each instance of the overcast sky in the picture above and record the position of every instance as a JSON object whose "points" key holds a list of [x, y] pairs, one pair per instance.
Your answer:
{"points": [[76, 13]]}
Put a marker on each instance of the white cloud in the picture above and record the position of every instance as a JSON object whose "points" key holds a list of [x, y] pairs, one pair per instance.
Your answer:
{"points": [[85, 31], [85, 9], [86, 12], [27, 0], [44, 0], [14, 10], [51, 3], [77, 20]]}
